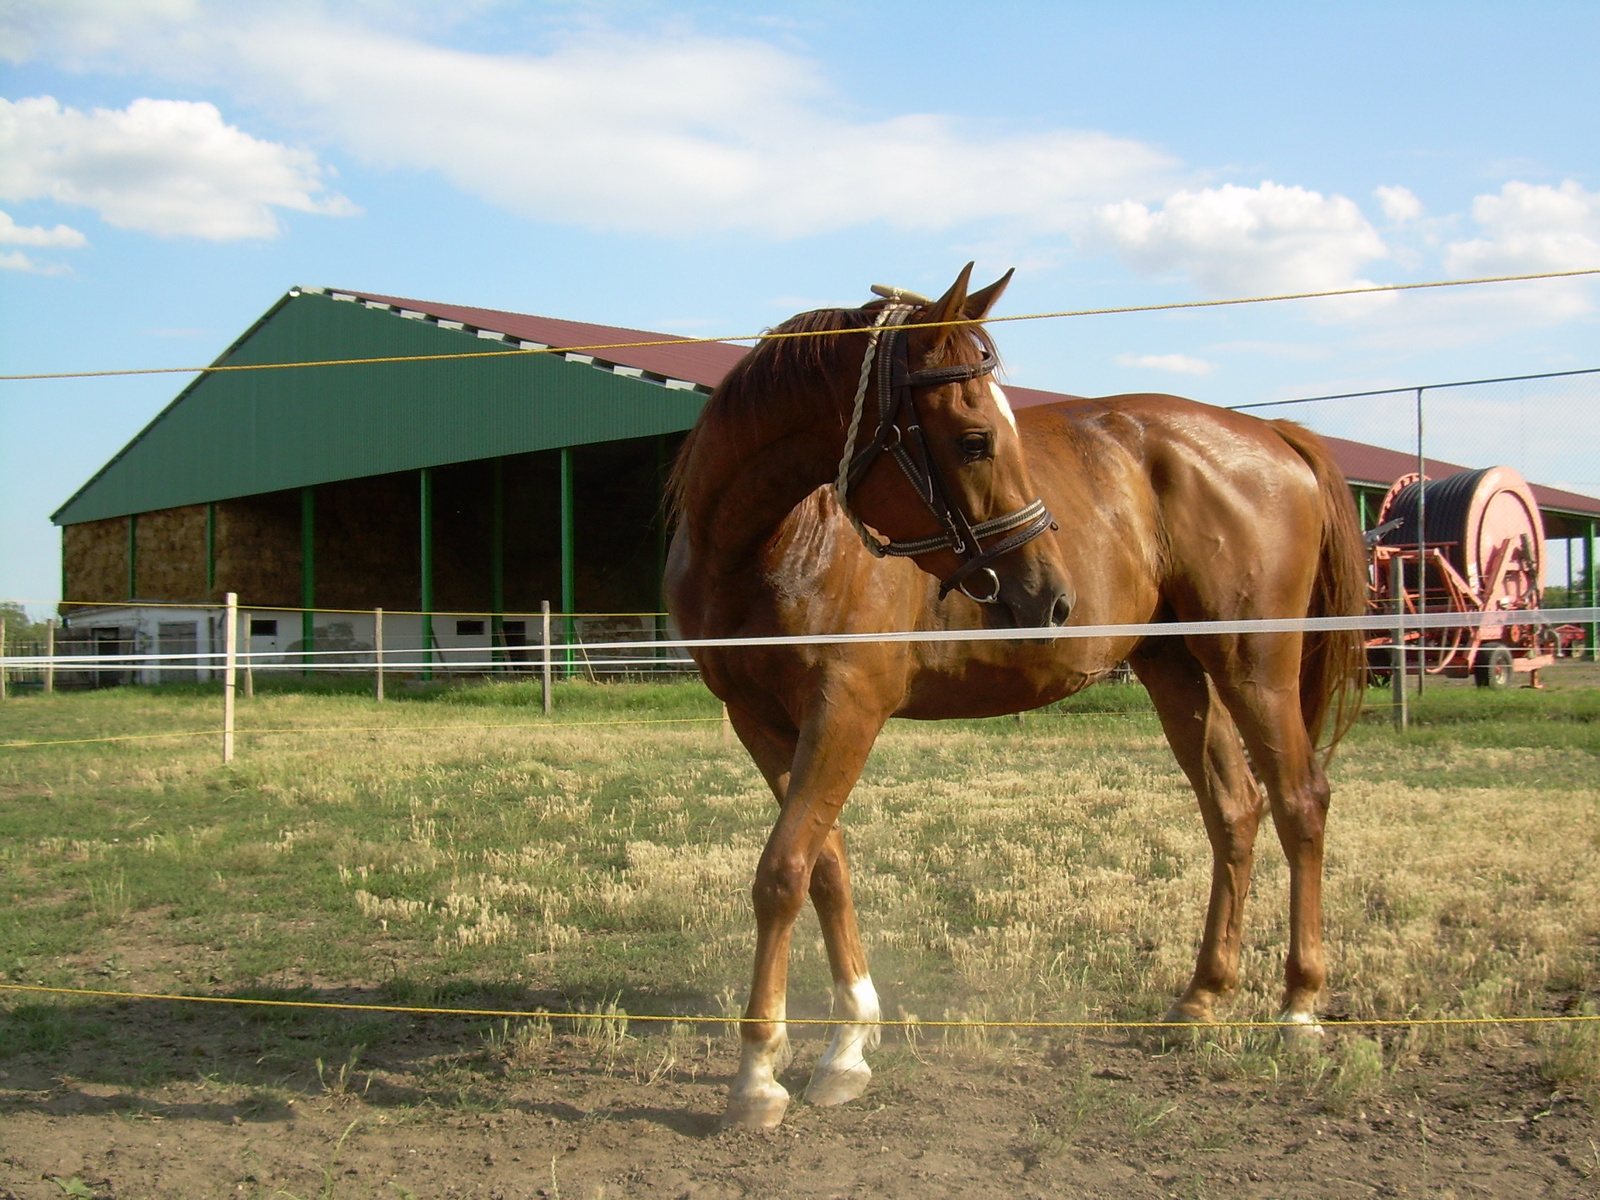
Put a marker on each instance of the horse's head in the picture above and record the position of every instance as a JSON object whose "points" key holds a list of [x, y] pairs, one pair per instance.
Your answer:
{"points": [[937, 465]]}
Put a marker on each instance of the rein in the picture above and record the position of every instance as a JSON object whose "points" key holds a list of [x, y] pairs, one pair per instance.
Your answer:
{"points": [[901, 436]]}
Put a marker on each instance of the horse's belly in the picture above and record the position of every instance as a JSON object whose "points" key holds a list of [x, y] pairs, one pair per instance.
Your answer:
{"points": [[1028, 677]]}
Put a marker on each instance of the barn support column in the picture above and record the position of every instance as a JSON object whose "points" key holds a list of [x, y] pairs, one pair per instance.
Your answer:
{"points": [[133, 556], [497, 564], [308, 576], [1361, 508], [569, 583], [663, 465], [425, 497], [211, 548]]}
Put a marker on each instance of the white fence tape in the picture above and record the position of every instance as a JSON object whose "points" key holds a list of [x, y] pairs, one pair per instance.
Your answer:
{"points": [[407, 659]]}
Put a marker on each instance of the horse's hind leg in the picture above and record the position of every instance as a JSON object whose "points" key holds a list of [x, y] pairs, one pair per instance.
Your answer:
{"points": [[1257, 677], [842, 1074], [1206, 744]]}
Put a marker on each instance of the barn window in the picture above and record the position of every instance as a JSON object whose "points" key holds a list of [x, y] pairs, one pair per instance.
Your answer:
{"points": [[263, 628], [469, 628]]}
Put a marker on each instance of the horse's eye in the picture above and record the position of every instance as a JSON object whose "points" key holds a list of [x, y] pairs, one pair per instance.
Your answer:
{"points": [[974, 446]]}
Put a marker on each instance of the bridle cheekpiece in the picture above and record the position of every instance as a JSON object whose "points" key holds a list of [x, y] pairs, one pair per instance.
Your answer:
{"points": [[901, 436]]}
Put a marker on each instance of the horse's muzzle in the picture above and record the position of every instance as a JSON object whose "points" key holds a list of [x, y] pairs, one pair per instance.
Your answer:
{"points": [[1044, 607]]}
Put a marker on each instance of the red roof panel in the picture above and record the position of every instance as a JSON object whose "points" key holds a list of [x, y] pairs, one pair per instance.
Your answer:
{"points": [[705, 363]]}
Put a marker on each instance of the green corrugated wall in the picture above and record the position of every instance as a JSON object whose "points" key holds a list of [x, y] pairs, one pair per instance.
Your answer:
{"points": [[240, 434]]}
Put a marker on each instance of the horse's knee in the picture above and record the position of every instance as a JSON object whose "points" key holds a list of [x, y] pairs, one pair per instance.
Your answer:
{"points": [[829, 881], [1237, 831], [1233, 828], [780, 887], [1302, 813]]}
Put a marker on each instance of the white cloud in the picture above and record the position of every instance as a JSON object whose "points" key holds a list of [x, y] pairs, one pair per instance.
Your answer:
{"points": [[1398, 203], [1234, 241], [681, 134], [169, 167], [79, 29], [668, 134], [16, 260], [1531, 227], [64, 236], [1178, 364]]}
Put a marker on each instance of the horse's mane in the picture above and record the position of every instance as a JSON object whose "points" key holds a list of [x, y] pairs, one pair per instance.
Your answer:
{"points": [[757, 400]]}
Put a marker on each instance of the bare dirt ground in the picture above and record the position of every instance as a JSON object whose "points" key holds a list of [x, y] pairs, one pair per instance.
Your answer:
{"points": [[431, 1112]]}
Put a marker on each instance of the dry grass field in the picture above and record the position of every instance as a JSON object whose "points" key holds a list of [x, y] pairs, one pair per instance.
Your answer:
{"points": [[454, 848]]}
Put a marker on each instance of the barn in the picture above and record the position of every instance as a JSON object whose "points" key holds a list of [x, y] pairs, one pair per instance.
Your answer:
{"points": [[457, 495]]}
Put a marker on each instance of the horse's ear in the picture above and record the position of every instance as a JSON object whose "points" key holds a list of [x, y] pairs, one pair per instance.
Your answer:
{"points": [[980, 302], [949, 307]]}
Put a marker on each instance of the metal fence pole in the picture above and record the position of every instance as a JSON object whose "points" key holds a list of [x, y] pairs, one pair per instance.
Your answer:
{"points": [[1422, 552], [544, 621], [1397, 700], [50, 656], [377, 647], [230, 649]]}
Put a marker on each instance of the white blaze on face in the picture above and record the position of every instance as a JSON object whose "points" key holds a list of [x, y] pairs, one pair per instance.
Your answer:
{"points": [[1002, 404]]}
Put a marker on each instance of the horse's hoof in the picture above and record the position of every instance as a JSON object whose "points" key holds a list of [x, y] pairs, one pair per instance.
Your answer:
{"points": [[1158, 1038], [761, 1109], [1188, 1014], [1300, 1032], [838, 1087]]}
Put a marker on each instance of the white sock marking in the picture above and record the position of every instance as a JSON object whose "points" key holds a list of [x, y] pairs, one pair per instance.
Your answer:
{"points": [[856, 1001]]}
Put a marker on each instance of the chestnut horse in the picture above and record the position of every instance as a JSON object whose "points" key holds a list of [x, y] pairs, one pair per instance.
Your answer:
{"points": [[1129, 509]]}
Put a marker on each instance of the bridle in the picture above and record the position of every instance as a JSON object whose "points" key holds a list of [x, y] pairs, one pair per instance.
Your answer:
{"points": [[901, 436]]}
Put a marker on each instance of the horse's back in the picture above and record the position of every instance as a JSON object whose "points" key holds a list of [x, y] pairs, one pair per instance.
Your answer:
{"points": [[1227, 513]]}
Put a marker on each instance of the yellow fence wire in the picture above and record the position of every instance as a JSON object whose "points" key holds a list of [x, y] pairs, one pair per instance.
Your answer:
{"points": [[217, 368], [883, 1023]]}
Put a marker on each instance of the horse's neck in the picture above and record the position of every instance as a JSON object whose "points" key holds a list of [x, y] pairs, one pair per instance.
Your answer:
{"points": [[742, 508]]}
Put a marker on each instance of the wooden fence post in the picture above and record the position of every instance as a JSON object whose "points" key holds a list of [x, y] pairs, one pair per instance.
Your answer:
{"points": [[230, 649], [249, 657], [2, 657], [377, 648], [50, 656], [544, 621]]}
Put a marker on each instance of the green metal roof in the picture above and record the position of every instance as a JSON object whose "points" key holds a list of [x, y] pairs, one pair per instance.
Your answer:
{"points": [[242, 433]]}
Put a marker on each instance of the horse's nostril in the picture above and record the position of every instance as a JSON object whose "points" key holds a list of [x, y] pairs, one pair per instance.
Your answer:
{"points": [[1060, 611]]}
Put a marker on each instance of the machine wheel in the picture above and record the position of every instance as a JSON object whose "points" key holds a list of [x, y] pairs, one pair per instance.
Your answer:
{"points": [[1493, 669]]}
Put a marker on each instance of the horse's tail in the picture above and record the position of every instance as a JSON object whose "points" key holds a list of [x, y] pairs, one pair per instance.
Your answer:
{"points": [[1333, 664]]}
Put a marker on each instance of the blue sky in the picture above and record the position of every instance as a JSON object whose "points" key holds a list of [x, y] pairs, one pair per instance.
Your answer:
{"points": [[168, 168]]}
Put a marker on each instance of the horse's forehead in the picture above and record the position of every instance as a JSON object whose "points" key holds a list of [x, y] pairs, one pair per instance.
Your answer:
{"points": [[1002, 404]]}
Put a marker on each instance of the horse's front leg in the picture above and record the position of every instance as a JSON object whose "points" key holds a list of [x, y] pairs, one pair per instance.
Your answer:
{"points": [[832, 750]]}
